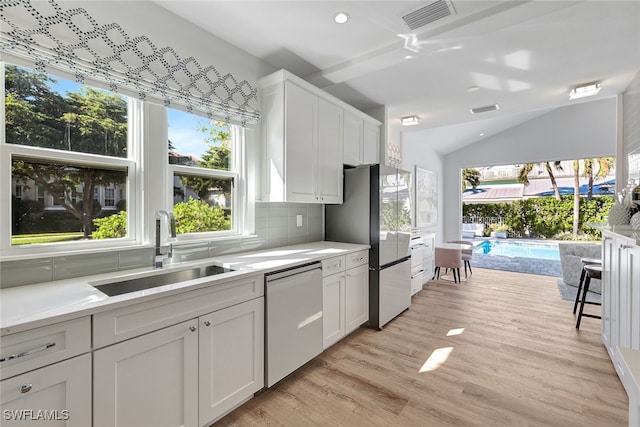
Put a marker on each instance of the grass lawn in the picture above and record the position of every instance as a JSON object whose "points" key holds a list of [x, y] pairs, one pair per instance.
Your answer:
{"points": [[28, 239]]}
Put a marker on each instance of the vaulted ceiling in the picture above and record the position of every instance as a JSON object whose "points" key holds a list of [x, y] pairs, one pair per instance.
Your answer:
{"points": [[524, 56]]}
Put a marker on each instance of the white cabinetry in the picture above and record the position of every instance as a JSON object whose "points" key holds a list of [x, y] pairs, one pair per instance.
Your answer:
{"points": [[231, 358], [45, 376], [361, 140], [150, 380], [428, 256], [302, 138], [345, 295], [417, 258], [620, 294], [187, 374]]}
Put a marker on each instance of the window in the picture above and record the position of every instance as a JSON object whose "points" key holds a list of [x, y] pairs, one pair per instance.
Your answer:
{"points": [[109, 198], [64, 144], [18, 192], [203, 159]]}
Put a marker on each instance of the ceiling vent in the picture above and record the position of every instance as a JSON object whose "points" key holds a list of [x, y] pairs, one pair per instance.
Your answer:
{"points": [[484, 109], [428, 14]]}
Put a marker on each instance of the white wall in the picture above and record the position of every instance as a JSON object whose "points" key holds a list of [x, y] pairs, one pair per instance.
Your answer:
{"points": [[584, 130], [416, 153]]}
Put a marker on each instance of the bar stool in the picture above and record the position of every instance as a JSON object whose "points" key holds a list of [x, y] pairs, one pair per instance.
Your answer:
{"points": [[591, 272], [585, 261]]}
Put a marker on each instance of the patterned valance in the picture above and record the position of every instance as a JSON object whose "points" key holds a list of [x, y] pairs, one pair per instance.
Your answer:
{"points": [[73, 41]]}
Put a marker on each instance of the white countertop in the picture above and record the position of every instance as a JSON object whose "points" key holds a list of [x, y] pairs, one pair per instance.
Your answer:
{"points": [[26, 307], [620, 230]]}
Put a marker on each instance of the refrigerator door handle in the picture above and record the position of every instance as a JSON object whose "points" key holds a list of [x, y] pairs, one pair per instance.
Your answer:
{"points": [[398, 261]]}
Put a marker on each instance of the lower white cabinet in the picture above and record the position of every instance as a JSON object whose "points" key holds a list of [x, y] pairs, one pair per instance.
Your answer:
{"points": [[55, 395], [150, 381], [333, 311], [620, 294], [356, 304], [231, 358], [189, 374], [428, 256], [345, 295]]}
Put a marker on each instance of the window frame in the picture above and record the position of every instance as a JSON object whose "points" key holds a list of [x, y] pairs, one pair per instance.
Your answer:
{"points": [[48, 155], [148, 189], [238, 198]]}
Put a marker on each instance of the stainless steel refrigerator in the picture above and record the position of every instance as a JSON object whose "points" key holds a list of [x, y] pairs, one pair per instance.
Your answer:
{"points": [[377, 211]]}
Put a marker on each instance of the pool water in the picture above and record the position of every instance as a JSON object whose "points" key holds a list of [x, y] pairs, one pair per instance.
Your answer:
{"points": [[518, 249]]}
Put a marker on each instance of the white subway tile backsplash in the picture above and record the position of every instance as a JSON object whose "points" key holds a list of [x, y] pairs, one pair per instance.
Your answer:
{"points": [[66, 267], [17, 273], [275, 225], [135, 258]]}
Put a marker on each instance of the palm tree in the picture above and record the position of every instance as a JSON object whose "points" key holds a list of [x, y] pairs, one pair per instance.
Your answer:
{"points": [[576, 196], [523, 175], [605, 164], [470, 176]]}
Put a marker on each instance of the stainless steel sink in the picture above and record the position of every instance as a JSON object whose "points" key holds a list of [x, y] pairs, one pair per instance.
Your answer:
{"points": [[168, 278]]}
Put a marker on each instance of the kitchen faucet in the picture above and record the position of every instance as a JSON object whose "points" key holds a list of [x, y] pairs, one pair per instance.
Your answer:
{"points": [[164, 251]]}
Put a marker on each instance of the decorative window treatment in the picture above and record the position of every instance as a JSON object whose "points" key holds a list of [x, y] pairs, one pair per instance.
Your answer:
{"points": [[73, 41]]}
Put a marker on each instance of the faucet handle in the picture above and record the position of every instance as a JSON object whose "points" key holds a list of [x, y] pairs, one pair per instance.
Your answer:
{"points": [[172, 224]]}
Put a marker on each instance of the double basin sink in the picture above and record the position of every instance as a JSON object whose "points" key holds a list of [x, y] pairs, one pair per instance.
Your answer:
{"points": [[148, 282]]}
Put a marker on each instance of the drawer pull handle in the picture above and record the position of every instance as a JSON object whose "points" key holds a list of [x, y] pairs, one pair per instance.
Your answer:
{"points": [[207, 323], [26, 388], [192, 328], [28, 352]]}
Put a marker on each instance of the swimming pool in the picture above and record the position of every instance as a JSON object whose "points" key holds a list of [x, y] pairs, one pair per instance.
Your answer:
{"points": [[518, 249]]}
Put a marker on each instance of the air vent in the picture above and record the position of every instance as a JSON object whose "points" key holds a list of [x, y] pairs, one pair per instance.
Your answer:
{"points": [[428, 14], [484, 109]]}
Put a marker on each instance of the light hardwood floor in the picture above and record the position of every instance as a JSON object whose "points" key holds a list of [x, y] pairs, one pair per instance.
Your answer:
{"points": [[518, 361]]}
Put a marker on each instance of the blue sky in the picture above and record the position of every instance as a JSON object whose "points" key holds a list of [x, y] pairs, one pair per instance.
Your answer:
{"points": [[183, 127]]}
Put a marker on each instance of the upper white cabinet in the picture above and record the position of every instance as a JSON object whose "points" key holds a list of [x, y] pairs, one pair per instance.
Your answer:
{"points": [[361, 139], [304, 131]]}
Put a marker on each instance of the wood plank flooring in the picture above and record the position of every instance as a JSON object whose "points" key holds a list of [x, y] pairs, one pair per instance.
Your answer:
{"points": [[518, 361]]}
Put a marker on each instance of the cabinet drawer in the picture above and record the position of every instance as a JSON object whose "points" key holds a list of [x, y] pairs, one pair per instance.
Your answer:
{"points": [[127, 322], [333, 265], [357, 258], [63, 389], [35, 348]]}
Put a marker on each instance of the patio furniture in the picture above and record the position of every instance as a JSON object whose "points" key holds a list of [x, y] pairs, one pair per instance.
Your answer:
{"points": [[467, 254], [571, 255], [448, 258], [592, 272], [585, 262], [471, 230]]}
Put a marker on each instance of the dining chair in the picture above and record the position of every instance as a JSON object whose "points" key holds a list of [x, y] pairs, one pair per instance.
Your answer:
{"points": [[467, 254], [448, 258]]}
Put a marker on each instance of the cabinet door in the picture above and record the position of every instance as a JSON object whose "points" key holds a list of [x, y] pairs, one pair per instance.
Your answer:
{"points": [[329, 155], [371, 144], [231, 358], [352, 140], [333, 298], [61, 393], [356, 297], [608, 281], [300, 144], [151, 380], [629, 296]]}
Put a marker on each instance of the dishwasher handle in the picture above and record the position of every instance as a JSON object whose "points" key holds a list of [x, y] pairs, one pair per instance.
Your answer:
{"points": [[292, 271]]}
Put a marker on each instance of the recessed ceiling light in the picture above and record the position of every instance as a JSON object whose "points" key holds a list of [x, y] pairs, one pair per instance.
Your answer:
{"points": [[410, 120], [588, 89], [341, 17], [481, 133], [408, 57], [473, 89]]}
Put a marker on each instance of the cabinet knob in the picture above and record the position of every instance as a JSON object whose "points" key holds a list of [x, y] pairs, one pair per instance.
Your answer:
{"points": [[207, 323], [26, 388], [192, 328]]}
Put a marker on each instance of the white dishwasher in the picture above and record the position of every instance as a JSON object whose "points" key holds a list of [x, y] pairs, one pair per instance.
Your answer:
{"points": [[293, 319]]}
